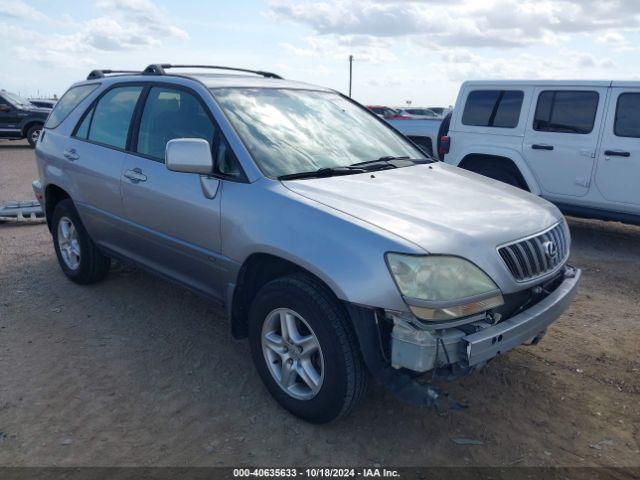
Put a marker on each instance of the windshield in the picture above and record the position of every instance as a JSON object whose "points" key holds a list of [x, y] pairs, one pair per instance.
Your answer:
{"points": [[294, 131], [16, 100]]}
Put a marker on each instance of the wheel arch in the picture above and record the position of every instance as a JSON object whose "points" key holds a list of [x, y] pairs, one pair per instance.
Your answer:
{"points": [[503, 158], [53, 194], [256, 271], [29, 124]]}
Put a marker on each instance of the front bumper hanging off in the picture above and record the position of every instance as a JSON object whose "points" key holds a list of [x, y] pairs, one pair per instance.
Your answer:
{"points": [[421, 349], [492, 341]]}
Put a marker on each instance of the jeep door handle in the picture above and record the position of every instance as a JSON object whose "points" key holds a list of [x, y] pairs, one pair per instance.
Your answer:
{"points": [[541, 146], [70, 154], [616, 153], [135, 175]]}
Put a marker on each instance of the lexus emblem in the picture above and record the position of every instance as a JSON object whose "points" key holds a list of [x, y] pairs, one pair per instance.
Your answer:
{"points": [[550, 250]]}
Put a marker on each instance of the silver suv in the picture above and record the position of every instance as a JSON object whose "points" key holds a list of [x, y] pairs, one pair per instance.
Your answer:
{"points": [[338, 248]]}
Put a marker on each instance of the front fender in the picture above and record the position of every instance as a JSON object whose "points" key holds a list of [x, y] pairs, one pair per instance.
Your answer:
{"points": [[345, 253]]}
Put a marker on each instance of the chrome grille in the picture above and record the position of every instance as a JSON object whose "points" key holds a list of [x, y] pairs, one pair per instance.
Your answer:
{"points": [[533, 257]]}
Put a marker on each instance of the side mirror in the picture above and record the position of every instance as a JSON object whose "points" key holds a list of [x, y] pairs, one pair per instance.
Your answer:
{"points": [[4, 107], [189, 155]]}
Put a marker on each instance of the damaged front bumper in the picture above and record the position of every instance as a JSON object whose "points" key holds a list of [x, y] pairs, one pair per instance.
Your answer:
{"points": [[421, 348]]}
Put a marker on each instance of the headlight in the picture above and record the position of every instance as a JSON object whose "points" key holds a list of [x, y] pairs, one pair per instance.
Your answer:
{"points": [[439, 287]]}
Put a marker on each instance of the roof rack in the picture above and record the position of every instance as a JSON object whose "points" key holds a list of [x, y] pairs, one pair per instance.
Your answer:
{"points": [[102, 73], [159, 69]]}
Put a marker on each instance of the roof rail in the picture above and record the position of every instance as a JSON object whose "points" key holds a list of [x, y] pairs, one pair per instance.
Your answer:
{"points": [[159, 69], [102, 73]]}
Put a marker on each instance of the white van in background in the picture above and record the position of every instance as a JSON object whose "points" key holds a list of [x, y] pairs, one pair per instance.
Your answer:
{"points": [[575, 143]]}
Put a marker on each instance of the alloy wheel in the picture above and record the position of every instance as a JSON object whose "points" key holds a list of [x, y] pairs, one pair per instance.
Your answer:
{"points": [[68, 243], [293, 354]]}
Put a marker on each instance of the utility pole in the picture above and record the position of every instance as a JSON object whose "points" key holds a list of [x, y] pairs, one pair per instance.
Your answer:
{"points": [[350, 73]]}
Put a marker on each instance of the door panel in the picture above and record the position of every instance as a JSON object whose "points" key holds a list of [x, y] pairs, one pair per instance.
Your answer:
{"points": [[95, 160], [174, 217], [618, 172], [175, 229], [562, 137], [96, 171]]}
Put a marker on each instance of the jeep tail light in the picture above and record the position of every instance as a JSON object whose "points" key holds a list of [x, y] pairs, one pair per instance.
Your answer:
{"points": [[445, 145]]}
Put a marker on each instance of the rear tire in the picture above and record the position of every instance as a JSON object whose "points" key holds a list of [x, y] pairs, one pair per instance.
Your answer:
{"points": [[338, 369], [79, 258], [33, 134]]}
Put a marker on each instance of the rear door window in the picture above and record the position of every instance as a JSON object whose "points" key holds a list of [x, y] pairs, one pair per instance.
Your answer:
{"points": [[111, 118], [627, 122], [70, 100], [493, 108], [566, 111]]}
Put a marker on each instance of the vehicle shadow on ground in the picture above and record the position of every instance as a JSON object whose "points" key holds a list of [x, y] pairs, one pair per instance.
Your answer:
{"points": [[8, 146], [594, 233]]}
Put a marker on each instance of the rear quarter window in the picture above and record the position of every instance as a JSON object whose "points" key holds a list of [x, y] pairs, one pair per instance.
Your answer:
{"points": [[70, 100], [493, 108]]}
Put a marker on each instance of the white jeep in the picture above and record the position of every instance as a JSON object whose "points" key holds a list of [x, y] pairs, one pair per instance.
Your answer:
{"points": [[575, 143]]}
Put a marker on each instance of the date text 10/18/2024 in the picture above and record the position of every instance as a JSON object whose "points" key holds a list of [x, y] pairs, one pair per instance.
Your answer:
{"points": [[316, 472]]}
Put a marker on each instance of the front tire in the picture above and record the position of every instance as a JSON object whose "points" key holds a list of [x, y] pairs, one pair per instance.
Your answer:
{"points": [[305, 350], [33, 134], [79, 258]]}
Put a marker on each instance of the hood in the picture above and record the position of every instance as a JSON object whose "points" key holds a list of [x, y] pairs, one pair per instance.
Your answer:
{"points": [[438, 207]]}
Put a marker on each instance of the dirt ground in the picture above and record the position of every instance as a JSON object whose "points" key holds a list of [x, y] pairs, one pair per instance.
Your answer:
{"points": [[137, 371]]}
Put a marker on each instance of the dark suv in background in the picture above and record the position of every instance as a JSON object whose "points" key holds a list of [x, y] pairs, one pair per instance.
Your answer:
{"points": [[19, 118]]}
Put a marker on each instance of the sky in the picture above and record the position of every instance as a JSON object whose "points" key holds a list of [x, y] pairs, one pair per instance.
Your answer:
{"points": [[405, 51]]}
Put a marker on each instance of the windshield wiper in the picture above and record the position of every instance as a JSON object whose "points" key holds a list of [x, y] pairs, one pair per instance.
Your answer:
{"points": [[389, 162], [323, 172]]}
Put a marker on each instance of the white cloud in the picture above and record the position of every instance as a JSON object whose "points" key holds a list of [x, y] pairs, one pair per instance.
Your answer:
{"points": [[363, 47], [19, 9], [122, 25], [462, 39], [617, 42], [479, 23], [145, 19]]}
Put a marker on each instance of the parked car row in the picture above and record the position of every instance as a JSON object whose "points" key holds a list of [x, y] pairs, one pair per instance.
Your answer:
{"points": [[20, 118], [340, 249], [43, 103], [408, 113], [576, 144]]}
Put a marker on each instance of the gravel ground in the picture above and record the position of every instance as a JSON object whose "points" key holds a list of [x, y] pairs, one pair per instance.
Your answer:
{"points": [[136, 371]]}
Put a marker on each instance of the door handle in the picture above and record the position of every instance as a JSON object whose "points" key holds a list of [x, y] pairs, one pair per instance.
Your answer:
{"points": [[616, 153], [135, 175], [541, 146], [70, 154]]}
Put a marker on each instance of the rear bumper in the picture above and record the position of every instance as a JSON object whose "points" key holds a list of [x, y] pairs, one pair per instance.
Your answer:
{"points": [[492, 341], [38, 190]]}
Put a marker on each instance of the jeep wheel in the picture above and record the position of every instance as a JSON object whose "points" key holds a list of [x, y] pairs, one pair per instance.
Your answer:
{"points": [[79, 258], [305, 350], [33, 134]]}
